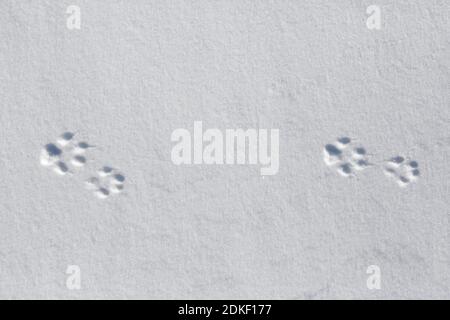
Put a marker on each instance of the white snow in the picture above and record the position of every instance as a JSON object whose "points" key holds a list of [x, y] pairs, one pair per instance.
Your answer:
{"points": [[136, 71]]}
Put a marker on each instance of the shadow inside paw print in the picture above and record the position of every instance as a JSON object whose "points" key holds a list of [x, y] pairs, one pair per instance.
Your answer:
{"points": [[347, 160], [66, 151], [109, 181], [402, 171]]}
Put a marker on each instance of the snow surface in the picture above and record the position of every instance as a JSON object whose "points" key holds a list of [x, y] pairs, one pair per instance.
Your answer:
{"points": [[137, 70]]}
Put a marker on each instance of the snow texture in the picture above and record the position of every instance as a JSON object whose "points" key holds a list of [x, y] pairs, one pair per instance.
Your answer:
{"points": [[137, 70]]}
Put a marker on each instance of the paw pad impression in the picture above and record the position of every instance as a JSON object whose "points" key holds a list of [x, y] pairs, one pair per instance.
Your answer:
{"points": [[108, 181], [401, 170], [58, 156], [344, 157]]}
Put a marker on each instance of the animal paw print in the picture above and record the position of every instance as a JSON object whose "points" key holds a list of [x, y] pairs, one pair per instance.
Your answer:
{"points": [[402, 171], [65, 151], [108, 181], [345, 158]]}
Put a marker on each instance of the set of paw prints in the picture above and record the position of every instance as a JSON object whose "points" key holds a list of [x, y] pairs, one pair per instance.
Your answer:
{"points": [[347, 159], [67, 156]]}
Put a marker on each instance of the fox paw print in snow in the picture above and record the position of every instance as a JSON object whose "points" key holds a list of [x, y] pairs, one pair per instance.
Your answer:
{"points": [[108, 181], [64, 153], [402, 171], [345, 158]]}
